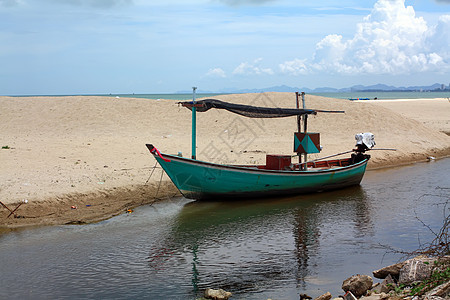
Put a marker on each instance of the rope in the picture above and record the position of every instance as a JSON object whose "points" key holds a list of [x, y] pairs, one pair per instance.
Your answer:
{"points": [[154, 167], [159, 185], [160, 180]]}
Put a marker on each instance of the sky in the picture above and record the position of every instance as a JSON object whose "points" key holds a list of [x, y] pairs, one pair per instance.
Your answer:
{"points": [[136, 46]]}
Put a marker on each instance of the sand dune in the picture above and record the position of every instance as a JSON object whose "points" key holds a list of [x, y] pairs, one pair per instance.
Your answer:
{"points": [[432, 113], [83, 150]]}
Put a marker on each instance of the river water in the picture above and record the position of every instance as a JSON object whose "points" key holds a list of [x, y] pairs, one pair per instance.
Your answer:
{"points": [[276, 248]]}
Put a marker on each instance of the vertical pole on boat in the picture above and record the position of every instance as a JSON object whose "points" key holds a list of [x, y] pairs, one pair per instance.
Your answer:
{"points": [[194, 125], [298, 117], [298, 125], [305, 122]]}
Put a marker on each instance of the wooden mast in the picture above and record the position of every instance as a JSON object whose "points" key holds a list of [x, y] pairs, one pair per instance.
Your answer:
{"points": [[298, 126], [194, 125], [305, 125]]}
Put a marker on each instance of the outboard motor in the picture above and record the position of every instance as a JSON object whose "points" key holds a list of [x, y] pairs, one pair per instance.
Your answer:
{"points": [[364, 141]]}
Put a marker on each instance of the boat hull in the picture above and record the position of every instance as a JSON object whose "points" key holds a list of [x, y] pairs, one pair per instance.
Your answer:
{"points": [[202, 180]]}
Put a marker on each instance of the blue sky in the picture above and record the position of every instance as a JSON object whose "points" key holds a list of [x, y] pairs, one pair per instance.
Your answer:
{"points": [[137, 46]]}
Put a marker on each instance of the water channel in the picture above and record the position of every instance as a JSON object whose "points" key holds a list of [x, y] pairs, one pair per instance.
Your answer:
{"points": [[276, 248]]}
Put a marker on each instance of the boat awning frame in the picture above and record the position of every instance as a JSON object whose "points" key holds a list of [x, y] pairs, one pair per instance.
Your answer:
{"points": [[251, 111]]}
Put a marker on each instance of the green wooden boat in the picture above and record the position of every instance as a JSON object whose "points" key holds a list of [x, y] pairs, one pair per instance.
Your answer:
{"points": [[204, 180], [197, 179]]}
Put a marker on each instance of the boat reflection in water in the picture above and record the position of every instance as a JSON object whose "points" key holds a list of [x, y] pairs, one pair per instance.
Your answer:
{"points": [[255, 247]]}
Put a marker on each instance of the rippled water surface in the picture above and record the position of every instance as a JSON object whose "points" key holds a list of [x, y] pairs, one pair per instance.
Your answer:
{"points": [[277, 248]]}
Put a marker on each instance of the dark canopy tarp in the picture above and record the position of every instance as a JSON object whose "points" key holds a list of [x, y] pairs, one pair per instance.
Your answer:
{"points": [[250, 111]]}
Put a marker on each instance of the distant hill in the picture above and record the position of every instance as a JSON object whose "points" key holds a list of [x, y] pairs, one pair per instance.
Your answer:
{"points": [[389, 88], [355, 88]]}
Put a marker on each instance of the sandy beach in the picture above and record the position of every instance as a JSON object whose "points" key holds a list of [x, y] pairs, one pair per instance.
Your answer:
{"points": [[81, 159]]}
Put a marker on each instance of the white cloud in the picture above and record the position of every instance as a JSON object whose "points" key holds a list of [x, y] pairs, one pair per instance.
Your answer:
{"points": [[391, 39], [247, 68], [216, 72], [294, 67], [439, 36]]}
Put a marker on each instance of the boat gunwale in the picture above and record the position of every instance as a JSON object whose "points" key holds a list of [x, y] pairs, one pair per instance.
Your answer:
{"points": [[247, 169]]}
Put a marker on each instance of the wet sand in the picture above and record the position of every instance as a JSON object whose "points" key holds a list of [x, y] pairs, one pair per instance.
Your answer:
{"points": [[89, 152]]}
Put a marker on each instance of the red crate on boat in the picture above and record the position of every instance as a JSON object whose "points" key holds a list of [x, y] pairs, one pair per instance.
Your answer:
{"points": [[277, 162]]}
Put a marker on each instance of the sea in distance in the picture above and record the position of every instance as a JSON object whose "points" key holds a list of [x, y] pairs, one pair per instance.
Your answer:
{"points": [[347, 95]]}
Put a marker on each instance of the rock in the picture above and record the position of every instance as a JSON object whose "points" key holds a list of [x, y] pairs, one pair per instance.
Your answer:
{"points": [[393, 270], [374, 286], [371, 297], [442, 291], [217, 294], [388, 284], [358, 285], [415, 270], [441, 263], [326, 296], [375, 296], [434, 298]]}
